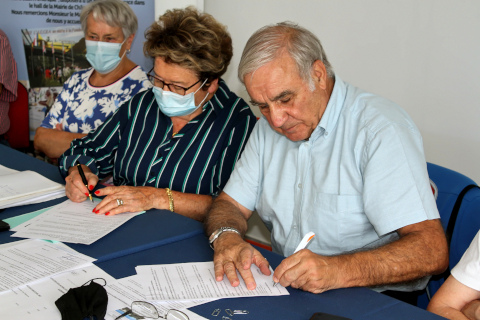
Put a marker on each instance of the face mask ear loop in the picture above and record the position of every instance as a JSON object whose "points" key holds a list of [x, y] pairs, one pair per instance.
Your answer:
{"points": [[205, 96], [124, 52]]}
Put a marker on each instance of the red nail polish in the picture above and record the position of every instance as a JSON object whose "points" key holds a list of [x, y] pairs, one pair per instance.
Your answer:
{"points": [[107, 214], [86, 194], [97, 192], [94, 210], [97, 211], [90, 187]]}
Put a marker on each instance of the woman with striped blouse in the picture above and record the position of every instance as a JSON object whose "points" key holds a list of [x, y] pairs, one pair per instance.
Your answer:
{"points": [[173, 146]]}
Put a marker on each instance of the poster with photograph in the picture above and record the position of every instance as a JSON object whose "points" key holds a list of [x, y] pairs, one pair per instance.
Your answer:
{"points": [[40, 100], [53, 54]]}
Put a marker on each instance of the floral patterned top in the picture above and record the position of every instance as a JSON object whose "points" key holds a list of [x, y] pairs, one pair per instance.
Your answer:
{"points": [[82, 107]]}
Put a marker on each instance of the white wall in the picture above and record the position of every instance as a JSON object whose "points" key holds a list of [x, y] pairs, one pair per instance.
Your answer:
{"points": [[423, 55], [163, 5]]}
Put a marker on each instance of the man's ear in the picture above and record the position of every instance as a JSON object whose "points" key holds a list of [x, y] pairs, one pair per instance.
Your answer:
{"points": [[319, 74], [212, 88]]}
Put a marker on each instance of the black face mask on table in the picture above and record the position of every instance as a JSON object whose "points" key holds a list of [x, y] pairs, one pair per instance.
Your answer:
{"points": [[88, 301]]}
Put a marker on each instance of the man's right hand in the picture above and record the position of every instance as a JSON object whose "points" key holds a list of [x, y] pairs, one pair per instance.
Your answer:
{"points": [[75, 189], [232, 253]]}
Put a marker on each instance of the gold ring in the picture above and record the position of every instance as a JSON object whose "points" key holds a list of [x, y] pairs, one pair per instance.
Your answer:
{"points": [[119, 202]]}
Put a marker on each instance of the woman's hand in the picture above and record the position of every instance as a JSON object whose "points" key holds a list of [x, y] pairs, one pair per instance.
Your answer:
{"points": [[75, 189], [134, 199]]}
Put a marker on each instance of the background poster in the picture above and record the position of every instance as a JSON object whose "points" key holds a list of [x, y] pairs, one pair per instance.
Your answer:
{"points": [[52, 55], [37, 29], [46, 14]]}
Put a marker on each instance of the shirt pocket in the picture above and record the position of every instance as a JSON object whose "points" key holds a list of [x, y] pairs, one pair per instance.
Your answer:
{"points": [[342, 221]]}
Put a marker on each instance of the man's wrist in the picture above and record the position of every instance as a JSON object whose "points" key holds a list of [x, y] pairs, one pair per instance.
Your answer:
{"points": [[217, 233]]}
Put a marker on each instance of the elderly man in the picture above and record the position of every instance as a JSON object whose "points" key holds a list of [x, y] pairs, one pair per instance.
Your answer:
{"points": [[329, 158]]}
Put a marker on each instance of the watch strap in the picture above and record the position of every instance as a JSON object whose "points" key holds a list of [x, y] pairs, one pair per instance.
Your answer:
{"points": [[218, 232]]}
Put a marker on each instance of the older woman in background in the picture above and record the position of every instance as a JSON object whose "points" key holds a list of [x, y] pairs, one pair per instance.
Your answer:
{"points": [[90, 96], [175, 145]]}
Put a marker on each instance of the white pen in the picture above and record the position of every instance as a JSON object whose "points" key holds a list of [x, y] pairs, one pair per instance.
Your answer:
{"points": [[302, 245]]}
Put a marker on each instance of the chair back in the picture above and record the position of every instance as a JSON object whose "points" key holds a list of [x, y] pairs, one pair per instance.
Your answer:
{"points": [[18, 135], [449, 185]]}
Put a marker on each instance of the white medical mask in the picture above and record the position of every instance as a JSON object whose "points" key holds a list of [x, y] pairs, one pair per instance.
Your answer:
{"points": [[103, 56], [174, 105]]}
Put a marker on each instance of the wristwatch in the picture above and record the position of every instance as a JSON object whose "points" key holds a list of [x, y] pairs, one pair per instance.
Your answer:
{"points": [[218, 232]]}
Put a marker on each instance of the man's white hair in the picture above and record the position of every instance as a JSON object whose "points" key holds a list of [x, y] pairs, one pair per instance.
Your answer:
{"points": [[271, 41]]}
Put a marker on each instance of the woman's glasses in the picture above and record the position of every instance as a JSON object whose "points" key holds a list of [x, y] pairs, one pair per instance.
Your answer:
{"points": [[171, 87]]}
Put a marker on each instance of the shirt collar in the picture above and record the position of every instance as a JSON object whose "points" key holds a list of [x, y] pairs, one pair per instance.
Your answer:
{"points": [[219, 99], [332, 112]]}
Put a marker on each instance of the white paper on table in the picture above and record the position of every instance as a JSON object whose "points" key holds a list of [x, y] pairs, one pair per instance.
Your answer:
{"points": [[190, 281], [29, 261], [36, 301], [21, 201], [5, 170], [124, 291], [71, 222], [26, 183]]}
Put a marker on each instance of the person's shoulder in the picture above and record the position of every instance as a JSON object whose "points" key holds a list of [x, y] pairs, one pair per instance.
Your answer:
{"points": [[228, 100], [373, 111]]}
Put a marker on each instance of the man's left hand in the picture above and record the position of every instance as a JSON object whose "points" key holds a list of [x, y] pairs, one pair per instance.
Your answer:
{"points": [[134, 199], [308, 271]]}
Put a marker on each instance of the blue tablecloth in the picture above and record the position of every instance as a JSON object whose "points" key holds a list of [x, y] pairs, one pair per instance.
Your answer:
{"points": [[354, 303], [153, 228]]}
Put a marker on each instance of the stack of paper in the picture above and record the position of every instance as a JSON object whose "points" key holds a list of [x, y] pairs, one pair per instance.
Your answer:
{"points": [[36, 273], [71, 222], [26, 187]]}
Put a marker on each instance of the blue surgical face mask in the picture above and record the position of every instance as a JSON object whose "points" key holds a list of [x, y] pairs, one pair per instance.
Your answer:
{"points": [[103, 56], [174, 105]]}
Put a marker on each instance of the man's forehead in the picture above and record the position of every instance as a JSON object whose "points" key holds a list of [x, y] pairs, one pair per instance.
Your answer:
{"points": [[271, 80]]}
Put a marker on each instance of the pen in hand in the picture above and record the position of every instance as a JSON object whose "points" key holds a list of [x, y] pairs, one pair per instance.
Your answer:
{"points": [[85, 182], [302, 245]]}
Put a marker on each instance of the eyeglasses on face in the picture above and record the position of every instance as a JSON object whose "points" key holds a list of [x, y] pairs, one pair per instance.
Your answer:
{"points": [[171, 87], [142, 310]]}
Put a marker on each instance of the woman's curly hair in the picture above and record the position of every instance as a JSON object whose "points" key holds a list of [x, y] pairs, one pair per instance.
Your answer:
{"points": [[193, 40]]}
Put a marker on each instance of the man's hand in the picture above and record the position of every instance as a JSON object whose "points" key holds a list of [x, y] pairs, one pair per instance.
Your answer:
{"points": [[75, 189], [308, 271], [134, 199], [232, 253]]}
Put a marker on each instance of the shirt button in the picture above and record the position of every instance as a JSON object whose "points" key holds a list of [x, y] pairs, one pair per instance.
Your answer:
{"points": [[326, 133], [299, 185]]}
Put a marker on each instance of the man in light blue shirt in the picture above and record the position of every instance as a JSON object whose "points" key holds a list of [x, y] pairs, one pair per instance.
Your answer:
{"points": [[329, 158]]}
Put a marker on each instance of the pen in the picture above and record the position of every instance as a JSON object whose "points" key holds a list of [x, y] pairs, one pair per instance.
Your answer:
{"points": [[80, 170], [302, 245]]}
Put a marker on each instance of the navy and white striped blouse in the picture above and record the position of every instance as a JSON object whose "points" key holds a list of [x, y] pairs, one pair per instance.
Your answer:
{"points": [[136, 145]]}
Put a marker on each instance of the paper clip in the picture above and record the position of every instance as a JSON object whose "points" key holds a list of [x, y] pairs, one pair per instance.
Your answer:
{"points": [[229, 312], [240, 312], [216, 312], [226, 318]]}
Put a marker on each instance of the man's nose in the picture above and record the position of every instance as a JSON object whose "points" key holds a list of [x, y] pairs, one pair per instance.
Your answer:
{"points": [[278, 116]]}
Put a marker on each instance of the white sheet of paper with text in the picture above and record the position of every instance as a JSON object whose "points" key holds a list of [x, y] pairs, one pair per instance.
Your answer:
{"points": [[190, 281], [124, 291], [71, 222], [32, 260], [36, 301]]}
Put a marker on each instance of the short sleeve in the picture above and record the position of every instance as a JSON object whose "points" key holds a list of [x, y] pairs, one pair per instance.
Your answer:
{"points": [[243, 185], [396, 185], [467, 271], [56, 113]]}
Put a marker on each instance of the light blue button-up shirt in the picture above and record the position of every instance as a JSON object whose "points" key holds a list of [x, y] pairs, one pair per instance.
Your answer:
{"points": [[361, 175]]}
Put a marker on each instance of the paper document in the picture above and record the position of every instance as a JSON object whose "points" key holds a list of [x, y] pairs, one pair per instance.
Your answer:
{"points": [[26, 187], [32, 260], [191, 281], [71, 222], [36, 301], [124, 291]]}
